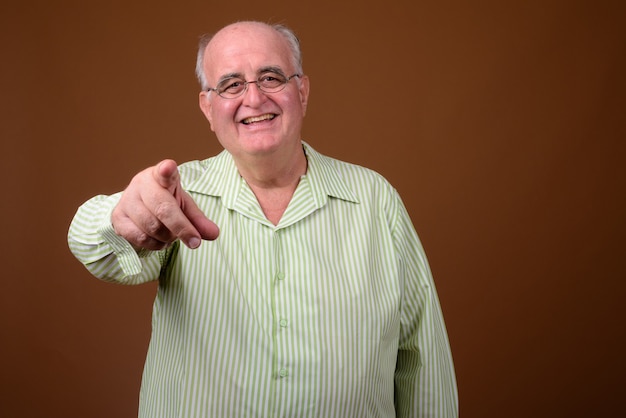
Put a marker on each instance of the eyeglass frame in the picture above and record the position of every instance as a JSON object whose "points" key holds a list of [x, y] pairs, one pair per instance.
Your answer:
{"points": [[257, 81]]}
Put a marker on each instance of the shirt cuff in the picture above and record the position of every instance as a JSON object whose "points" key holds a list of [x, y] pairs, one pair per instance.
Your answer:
{"points": [[128, 258]]}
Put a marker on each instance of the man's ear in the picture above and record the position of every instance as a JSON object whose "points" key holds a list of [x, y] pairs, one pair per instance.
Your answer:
{"points": [[304, 92], [205, 106]]}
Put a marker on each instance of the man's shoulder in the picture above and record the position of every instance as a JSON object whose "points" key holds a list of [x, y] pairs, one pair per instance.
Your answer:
{"points": [[354, 173], [363, 183]]}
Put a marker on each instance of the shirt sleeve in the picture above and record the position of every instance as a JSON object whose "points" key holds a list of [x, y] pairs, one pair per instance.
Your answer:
{"points": [[105, 254], [424, 377]]}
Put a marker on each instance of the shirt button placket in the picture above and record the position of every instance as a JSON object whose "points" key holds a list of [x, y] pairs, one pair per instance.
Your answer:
{"points": [[281, 322]]}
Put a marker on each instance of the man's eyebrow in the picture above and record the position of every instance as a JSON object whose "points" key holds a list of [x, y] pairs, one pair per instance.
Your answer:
{"points": [[229, 76], [271, 69], [262, 70]]}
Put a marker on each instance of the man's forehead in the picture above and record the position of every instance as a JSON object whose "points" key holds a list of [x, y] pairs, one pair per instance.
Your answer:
{"points": [[243, 65], [255, 48]]}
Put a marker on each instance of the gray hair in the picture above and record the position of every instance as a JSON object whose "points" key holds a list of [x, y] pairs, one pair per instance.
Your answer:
{"points": [[288, 34]]}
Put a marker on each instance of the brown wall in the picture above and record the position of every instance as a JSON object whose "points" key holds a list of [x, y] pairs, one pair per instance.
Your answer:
{"points": [[500, 122]]}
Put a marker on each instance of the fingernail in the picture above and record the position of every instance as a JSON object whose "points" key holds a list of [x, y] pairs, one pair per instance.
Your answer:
{"points": [[194, 243]]}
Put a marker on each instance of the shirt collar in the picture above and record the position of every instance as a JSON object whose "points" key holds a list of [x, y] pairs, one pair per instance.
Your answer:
{"points": [[221, 178], [325, 178]]}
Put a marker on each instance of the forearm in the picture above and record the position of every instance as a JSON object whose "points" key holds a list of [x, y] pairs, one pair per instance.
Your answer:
{"points": [[425, 377], [106, 255]]}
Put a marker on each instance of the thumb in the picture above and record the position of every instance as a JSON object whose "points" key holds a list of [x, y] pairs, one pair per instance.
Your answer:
{"points": [[208, 229]]}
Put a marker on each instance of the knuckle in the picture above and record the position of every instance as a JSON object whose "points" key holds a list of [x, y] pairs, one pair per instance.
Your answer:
{"points": [[153, 227], [142, 239], [163, 210]]}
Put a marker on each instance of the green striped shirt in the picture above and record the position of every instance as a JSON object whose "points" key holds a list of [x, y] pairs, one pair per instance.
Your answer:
{"points": [[331, 313]]}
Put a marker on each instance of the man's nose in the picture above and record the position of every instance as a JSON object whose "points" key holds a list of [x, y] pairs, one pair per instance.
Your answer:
{"points": [[253, 94]]}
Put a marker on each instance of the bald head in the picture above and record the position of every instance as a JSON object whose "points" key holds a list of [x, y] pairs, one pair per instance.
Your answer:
{"points": [[283, 35]]}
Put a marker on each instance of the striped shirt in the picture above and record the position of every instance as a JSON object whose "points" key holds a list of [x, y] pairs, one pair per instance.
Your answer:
{"points": [[331, 313]]}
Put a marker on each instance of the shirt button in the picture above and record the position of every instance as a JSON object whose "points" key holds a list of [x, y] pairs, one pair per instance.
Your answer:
{"points": [[283, 323], [280, 275], [283, 373]]}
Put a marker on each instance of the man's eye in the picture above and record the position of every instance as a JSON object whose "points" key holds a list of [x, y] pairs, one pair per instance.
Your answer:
{"points": [[272, 80], [231, 85]]}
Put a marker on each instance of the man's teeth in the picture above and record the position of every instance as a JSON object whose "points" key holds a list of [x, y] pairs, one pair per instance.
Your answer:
{"points": [[258, 118]]}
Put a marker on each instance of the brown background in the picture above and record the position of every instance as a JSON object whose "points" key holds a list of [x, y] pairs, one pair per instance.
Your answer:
{"points": [[500, 122]]}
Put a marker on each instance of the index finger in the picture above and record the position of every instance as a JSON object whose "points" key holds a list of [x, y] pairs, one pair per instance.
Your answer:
{"points": [[166, 175]]}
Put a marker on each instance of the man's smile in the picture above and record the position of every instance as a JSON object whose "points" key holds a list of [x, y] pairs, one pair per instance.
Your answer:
{"points": [[254, 119]]}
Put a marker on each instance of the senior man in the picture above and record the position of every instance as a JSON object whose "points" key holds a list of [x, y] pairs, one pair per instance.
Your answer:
{"points": [[301, 290]]}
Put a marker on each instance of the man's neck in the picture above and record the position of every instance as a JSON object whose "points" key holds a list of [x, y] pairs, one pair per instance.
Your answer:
{"points": [[276, 169], [274, 180]]}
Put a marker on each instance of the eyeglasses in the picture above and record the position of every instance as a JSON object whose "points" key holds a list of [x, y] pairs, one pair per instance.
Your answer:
{"points": [[233, 87]]}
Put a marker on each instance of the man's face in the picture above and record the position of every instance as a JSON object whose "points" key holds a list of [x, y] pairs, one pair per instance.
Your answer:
{"points": [[255, 123]]}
